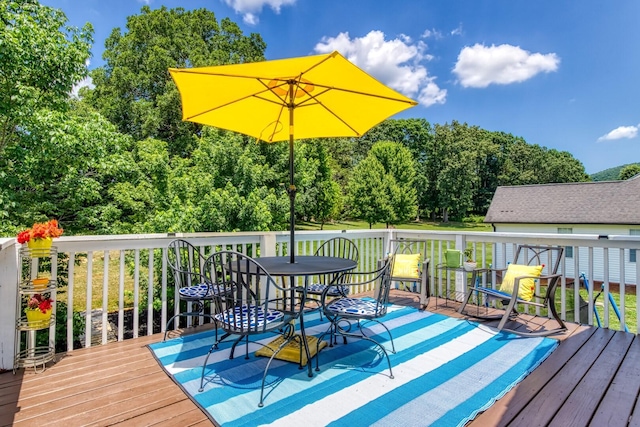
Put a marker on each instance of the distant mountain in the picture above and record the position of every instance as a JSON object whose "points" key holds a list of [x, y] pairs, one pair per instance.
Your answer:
{"points": [[610, 174]]}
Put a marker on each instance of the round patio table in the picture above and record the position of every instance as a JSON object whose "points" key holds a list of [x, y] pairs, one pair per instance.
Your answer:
{"points": [[304, 266]]}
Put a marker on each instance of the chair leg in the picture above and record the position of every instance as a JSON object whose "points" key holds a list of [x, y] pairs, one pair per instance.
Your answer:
{"points": [[507, 313], [233, 347], [554, 313], [330, 332], [384, 350], [466, 301], [266, 369], [204, 365], [166, 329]]}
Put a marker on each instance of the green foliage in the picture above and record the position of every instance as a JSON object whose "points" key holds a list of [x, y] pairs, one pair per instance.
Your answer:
{"points": [[382, 185], [41, 58], [122, 161], [629, 172], [319, 195], [460, 166], [78, 325], [226, 185], [134, 90], [611, 174], [367, 196], [64, 165]]}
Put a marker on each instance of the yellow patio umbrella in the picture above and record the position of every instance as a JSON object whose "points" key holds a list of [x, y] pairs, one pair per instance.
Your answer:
{"points": [[327, 95]]}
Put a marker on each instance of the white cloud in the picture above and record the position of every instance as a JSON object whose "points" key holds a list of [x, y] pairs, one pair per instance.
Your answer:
{"points": [[250, 9], [480, 65], [432, 33], [147, 2], [396, 63], [86, 82], [621, 132]]}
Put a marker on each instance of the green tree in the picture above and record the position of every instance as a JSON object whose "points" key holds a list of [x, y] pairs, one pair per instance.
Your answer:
{"points": [[417, 136], [134, 90], [629, 172], [367, 195], [321, 198], [226, 185], [399, 170], [41, 58], [66, 165]]}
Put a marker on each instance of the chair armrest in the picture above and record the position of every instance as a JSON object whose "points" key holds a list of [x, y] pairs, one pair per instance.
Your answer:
{"points": [[354, 275], [516, 283]]}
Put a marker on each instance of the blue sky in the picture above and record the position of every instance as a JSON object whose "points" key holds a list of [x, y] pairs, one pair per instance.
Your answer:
{"points": [[562, 74]]}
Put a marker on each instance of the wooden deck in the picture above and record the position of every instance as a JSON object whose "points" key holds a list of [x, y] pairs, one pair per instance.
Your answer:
{"points": [[592, 378]]}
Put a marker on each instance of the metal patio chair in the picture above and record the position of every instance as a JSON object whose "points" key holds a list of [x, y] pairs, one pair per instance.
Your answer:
{"points": [[411, 268], [257, 305], [527, 281], [336, 247], [191, 286], [349, 315]]}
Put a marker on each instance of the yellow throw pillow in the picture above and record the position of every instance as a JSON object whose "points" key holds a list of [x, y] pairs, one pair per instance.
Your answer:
{"points": [[406, 266], [527, 286]]}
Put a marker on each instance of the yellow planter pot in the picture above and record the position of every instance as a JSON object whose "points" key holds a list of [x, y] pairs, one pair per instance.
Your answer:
{"points": [[40, 247], [37, 319], [40, 284]]}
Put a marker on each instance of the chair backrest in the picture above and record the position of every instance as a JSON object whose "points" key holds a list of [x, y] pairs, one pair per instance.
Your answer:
{"points": [[185, 262], [382, 279], [337, 247], [549, 256], [254, 291], [408, 247]]}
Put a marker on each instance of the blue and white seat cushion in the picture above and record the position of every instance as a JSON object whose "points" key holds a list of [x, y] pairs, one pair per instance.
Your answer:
{"points": [[317, 288], [355, 306], [248, 316], [201, 291]]}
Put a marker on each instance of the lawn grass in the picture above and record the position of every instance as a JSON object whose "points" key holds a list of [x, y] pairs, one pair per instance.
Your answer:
{"points": [[113, 283], [614, 323]]}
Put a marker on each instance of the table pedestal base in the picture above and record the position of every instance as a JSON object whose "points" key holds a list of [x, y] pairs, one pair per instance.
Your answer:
{"points": [[291, 352]]}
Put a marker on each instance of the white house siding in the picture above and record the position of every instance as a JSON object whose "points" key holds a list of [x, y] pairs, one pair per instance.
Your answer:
{"points": [[583, 253]]}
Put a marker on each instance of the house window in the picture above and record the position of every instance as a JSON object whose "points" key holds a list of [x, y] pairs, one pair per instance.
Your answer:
{"points": [[632, 252], [568, 250]]}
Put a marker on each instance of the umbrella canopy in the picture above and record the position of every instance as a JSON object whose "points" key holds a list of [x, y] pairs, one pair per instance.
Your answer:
{"points": [[326, 96]]}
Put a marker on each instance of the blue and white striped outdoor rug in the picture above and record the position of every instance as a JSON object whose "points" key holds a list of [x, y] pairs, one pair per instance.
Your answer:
{"points": [[446, 372]]}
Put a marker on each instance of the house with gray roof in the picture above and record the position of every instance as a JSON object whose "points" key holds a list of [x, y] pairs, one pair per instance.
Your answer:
{"points": [[602, 208]]}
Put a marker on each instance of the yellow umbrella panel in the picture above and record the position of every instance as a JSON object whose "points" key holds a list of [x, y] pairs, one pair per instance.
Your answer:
{"points": [[307, 97]]}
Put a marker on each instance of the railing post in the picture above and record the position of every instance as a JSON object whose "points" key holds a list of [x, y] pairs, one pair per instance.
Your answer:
{"points": [[268, 244], [461, 276], [8, 293]]}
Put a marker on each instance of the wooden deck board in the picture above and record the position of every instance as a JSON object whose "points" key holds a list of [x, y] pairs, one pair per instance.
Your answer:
{"points": [[620, 399], [584, 399], [592, 378]]}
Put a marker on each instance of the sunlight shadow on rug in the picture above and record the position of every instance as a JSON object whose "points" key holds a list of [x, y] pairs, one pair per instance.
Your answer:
{"points": [[446, 372]]}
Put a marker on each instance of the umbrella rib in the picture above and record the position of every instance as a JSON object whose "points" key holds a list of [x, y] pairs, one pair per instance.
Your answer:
{"points": [[256, 95], [373, 95]]}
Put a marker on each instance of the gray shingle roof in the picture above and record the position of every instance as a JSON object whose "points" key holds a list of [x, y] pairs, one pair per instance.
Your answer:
{"points": [[607, 202]]}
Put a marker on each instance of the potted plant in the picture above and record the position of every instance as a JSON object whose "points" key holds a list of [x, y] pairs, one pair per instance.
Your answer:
{"points": [[39, 238], [469, 264], [38, 311]]}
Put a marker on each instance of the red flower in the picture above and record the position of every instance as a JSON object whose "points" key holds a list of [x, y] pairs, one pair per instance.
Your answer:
{"points": [[40, 230], [38, 302]]}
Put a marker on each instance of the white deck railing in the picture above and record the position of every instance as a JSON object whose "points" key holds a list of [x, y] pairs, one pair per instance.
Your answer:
{"points": [[140, 259]]}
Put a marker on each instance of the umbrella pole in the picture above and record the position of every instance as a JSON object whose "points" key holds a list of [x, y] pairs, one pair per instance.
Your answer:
{"points": [[292, 187]]}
